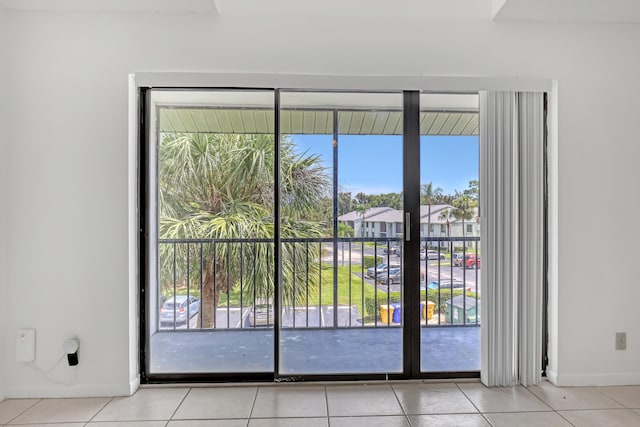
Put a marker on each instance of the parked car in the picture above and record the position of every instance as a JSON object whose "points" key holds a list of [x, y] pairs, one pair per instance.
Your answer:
{"points": [[391, 276], [456, 257], [180, 306], [434, 255], [446, 284], [395, 249], [261, 315], [469, 261], [380, 268]]}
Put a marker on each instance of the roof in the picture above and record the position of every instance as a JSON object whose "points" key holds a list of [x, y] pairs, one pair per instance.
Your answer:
{"points": [[392, 215], [387, 214], [357, 215], [457, 301], [436, 210]]}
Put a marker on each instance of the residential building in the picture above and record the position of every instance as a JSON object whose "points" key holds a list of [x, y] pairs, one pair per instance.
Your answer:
{"points": [[354, 219], [386, 222]]}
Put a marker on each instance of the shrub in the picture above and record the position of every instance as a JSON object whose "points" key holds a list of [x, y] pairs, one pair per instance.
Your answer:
{"points": [[370, 261]]}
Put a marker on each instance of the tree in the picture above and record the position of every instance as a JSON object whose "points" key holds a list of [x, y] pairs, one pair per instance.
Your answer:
{"points": [[464, 209], [391, 200], [473, 191], [362, 208], [221, 186], [344, 230], [427, 195], [447, 216], [344, 202], [363, 199]]}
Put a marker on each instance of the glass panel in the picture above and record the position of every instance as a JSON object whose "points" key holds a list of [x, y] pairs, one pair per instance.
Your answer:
{"points": [[450, 254], [342, 278], [215, 186]]}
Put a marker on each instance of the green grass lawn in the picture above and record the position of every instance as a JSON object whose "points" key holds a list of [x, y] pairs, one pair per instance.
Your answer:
{"points": [[352, 290]]}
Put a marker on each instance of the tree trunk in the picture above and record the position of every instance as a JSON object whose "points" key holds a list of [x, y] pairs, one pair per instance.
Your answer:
{"points": [[211, 288]]}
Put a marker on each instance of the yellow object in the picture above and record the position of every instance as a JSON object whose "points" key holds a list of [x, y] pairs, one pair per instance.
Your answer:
{"points": [[386, 313], [427, 310]]}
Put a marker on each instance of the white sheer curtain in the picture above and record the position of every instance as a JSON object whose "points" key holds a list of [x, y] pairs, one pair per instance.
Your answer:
{"points": [[512, 212]]}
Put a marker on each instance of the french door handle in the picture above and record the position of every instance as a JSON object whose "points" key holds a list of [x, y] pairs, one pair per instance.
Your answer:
{"points": [[407, 226]]}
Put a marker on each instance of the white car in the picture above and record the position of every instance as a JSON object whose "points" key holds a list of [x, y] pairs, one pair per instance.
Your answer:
{"points": [[380, 268], [431, 255], [178, 309]]}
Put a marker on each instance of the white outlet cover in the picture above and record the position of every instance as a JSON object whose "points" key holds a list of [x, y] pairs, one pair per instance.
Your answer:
{"points": [[25, 345]]}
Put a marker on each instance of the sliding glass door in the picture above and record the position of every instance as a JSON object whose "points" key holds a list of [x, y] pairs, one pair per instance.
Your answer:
{"points": [[211, 307], [310, 235], [341, 224], [450, 253]]}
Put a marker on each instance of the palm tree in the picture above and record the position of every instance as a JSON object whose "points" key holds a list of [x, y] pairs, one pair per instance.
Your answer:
{"points": [[362, 208], [464, 209], [447, 216], [427, 196], [221, 186]]}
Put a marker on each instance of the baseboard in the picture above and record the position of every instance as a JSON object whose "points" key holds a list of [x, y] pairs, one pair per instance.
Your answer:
{"points": [[578, 380], [57, 391], [552, 376], [134, 385]]}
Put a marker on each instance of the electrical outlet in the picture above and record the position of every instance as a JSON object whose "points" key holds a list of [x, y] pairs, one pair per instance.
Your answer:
{"points": [[621, 340], [25, 345]]}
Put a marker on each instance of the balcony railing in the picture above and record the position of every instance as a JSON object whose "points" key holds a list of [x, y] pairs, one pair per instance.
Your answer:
{"points": [[325, 283]]}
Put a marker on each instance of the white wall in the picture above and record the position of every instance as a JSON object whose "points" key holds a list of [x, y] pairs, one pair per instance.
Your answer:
{"points": [[67, 162], [3, 186]]}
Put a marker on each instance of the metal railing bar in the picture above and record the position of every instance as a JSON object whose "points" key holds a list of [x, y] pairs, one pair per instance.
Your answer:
{"points": [[188, 321], [307, 287], [255, 281], [362, 282], [214, 269], [350, 283], [320, 284], [229, 283], [295, 290], [241, 283], [175, 290], [201, 282]]}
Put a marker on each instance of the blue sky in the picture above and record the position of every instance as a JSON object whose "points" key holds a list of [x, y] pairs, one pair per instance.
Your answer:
{"points": [[373, 164]]}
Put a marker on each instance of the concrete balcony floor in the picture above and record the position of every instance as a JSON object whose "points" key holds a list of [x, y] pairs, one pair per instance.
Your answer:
{"points": [[311, 351]]}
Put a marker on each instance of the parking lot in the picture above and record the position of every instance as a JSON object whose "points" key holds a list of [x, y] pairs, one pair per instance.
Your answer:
{"points": [[431, 270]]}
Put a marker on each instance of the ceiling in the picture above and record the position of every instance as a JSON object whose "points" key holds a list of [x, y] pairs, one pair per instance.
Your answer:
{"points": [[614, 11], [312, 113], [311, 122]]}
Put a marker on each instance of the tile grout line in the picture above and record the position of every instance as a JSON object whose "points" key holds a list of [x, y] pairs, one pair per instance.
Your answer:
{"points": [[482, 414], [180, 404], [99, 410], [253, 404], [326, 402], [611, 397], [406, 417], [552, 408], [25, 410]]}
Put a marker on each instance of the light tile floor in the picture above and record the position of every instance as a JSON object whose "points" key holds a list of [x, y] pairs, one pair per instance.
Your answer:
{"points": [[352, 405]]}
